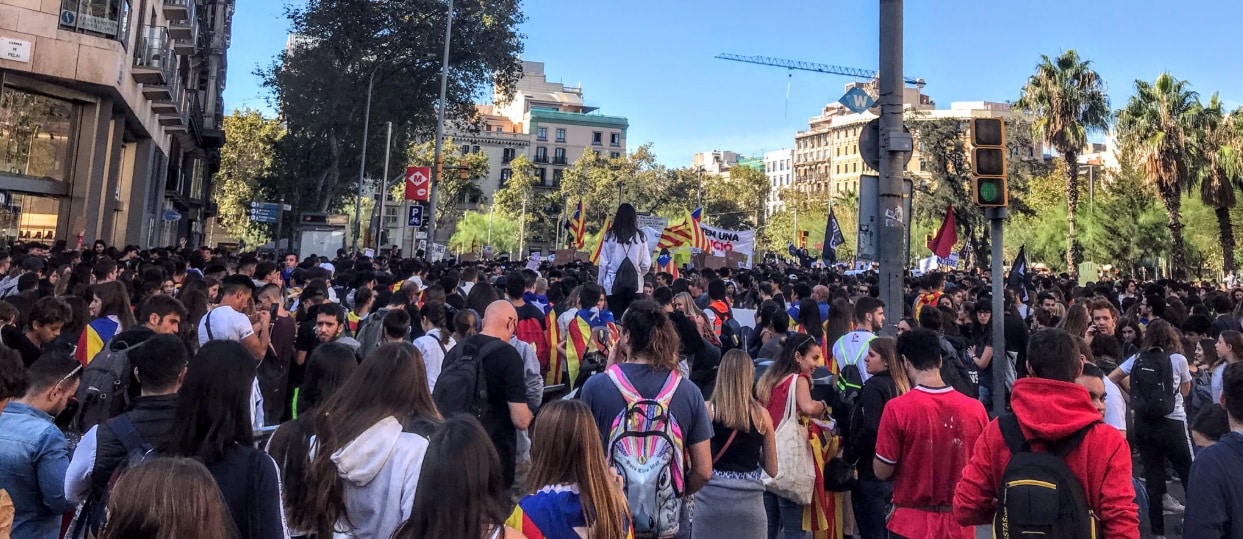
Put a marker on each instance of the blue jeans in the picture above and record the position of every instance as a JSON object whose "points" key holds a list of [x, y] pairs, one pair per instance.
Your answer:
{"points": [[871, 499], [785, 518]]}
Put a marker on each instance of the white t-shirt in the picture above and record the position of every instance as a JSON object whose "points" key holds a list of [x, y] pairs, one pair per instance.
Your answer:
{"points": [[226, 325], [433, 355], [852, 348], [563, 321], [1115, 405], [1182, 375]]}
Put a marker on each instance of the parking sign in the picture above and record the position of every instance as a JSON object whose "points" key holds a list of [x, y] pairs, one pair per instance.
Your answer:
{"points": [[416, 215]]}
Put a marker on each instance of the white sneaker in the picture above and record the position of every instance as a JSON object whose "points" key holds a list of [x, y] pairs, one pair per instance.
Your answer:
{"points": [[1171, 504]]}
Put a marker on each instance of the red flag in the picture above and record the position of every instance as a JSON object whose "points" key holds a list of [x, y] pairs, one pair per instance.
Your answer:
{"points": [[942, 244]]}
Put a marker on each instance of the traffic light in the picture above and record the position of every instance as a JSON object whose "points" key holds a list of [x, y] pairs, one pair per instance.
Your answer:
{"points": [[988, 162]]}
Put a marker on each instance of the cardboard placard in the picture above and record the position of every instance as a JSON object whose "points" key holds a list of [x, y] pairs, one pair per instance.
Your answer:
{"points": [[467, 257], [699, 259], [735, 260], [714, 262], [562, 257]]}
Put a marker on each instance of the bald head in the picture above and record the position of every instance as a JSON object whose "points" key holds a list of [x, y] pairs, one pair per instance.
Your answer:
{"points": [[500, 320]]}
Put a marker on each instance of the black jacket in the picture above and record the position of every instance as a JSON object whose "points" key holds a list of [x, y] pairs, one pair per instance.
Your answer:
{"points": [[865, 421], [1214, 492], [152, 417]]}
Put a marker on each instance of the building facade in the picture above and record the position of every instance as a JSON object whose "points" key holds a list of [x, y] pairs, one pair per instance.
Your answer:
{"points": [[714, 162], [779, 167], [111, 118]]}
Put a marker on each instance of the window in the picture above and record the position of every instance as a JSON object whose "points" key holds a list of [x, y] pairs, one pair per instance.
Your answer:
{"points": [[614, 139], [500, 129], [507, 155], [556, 177], [541, 154], [505, 175], [487, 127], [107, 17], [465, 149], [35, 133], [560, 134], [542, 134], [614, 155], [558, 156], [539, 173], [597, 138], [474, 149]]}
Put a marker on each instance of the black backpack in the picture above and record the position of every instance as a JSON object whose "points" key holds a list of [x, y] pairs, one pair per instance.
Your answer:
{"points": [[94, 511], [731, 331], [1152, 384], [1038, 494], [624, 281], [461, 387], [371, 333], [1201, 395], [956, 365], [104, 391]]}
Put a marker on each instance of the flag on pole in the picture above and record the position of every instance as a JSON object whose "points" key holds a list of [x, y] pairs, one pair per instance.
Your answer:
{"points": [[595, 253], [578, 227], [665, 264], [832, 239], [1018, 272], [698, 239], [942, 244], [674, 236], [556, 365]]}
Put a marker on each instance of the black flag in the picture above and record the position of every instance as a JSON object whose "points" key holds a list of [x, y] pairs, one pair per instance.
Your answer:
{"points": [[832, 239], [1018, 272]]}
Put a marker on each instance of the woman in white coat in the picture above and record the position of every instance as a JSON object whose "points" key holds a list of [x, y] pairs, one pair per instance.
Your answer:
{"points": [[622, 241]]}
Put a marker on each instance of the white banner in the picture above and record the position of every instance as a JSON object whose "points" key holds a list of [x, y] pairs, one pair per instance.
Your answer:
{"points": [[726, 241], [933, 262]]}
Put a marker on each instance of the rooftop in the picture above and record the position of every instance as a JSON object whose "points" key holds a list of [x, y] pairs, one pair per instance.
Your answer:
{"points": [[574, 118]]}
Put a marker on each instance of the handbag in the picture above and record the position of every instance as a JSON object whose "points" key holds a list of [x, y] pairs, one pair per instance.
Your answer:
{"points": [[796, 474]]}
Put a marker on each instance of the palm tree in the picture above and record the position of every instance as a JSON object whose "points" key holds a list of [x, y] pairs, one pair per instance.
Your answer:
{"points": [[1220, 170], [1160, 121], [1067, 98]]}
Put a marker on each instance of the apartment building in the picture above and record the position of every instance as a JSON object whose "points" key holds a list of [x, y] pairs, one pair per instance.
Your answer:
{"points": [[779, 167], [111, 116], [714, 162]]}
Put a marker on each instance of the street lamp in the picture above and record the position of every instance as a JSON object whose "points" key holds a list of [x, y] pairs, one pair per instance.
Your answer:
{"points": [[440, 126], [362, 162]]}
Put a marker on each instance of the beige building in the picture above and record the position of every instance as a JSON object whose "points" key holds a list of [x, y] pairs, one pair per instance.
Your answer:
{"points": [[715, 162], [110, 118], [827, 158]]}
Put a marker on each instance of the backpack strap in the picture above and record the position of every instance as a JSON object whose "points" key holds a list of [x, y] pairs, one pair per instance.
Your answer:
{"points": [[627, 390], [1064, 446], [123, 427], [1009, 425], [671, 386], [207, 325]]}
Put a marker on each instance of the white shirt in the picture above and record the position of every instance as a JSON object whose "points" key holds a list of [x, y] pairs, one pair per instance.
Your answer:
{"points": [[433, 355], [563, 321], [1182, 375], [852, 348], [1115, 405], [611, 255], [229, 325]]}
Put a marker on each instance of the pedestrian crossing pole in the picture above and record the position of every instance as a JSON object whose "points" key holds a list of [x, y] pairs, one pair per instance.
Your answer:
{"points": [[996, 218]]}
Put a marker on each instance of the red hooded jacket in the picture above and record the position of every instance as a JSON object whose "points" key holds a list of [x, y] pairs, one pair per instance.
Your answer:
{"points": [[1051, 410]]}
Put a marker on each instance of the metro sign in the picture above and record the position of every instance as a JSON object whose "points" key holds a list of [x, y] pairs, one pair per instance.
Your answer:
{"points": [[418, 183]]}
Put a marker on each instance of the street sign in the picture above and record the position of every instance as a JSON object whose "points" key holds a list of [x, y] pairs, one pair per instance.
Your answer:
{"points": [[171, 215], [418, 183], [265, 212], [416, 215], [857, 100], [869, 145]]}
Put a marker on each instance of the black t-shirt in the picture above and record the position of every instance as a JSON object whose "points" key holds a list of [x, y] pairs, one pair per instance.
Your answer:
{"points": [[527, 310], [16, 339], [503, 372]]}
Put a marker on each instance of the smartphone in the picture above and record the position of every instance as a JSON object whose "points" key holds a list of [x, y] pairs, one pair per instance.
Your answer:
{"points": [[272, 311]]}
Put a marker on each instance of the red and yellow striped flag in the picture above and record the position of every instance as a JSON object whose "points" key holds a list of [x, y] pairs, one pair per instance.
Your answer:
{"points": [[556, 368], [595, 253]]}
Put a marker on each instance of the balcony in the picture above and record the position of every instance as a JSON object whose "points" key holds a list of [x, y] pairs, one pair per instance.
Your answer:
{"points": [[178, 10], [154, 62], [558, 161], [184, 27], [176, 122], [185, 46], [540, 159], [167, 96]]}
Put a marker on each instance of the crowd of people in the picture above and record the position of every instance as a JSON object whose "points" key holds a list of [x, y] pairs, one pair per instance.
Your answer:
{"points": [[197, 393]]}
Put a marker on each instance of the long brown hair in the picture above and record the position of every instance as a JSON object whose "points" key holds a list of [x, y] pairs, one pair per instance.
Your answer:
{"points": [[460, 485], [795, 345], [1161, 334], [887, 347], [566, 449], [651, 335], [167, 498], [114, 301], [391, 382], [733, 401], [1234, 341]]}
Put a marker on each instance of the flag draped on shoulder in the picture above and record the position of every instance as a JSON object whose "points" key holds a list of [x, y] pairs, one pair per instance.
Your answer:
{"points": [[95, 336], [942, 244], [832, 238]]}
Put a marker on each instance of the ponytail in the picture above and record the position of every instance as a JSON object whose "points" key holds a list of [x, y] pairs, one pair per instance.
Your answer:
{"points": [[651, 334]]}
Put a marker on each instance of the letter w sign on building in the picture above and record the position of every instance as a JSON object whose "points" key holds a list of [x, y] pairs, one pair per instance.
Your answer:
{"points": [[418, 183]]}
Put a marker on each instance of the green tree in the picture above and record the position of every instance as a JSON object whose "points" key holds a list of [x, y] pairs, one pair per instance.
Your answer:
{"points": [[520, 201], [1220, 170], [245, 162], [462, 174], [1160, 121], [1067, 98], [736, 200], [344, 46], [478, 228]]}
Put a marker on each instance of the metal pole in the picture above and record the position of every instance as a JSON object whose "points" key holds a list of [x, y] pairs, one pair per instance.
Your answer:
{"points": [[440, 127], [280, 218], [388, 143], [894, 145], [362, 164], [1001, 361], [522, 228]]}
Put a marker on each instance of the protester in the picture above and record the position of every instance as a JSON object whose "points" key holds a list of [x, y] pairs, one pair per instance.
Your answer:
{"points": [[1229, 350], [923, 442], [624, 248], [34, 455], [462, 492], [570, 487], [212, 424], [886, 380], [1050, 409], [1215, 496], [47, 318], [168, 497], [643, 367], [110, 315], [12, 384], [436, 341]]}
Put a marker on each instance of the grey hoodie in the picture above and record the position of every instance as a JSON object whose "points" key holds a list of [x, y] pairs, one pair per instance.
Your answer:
{"points": [[380, 470]]}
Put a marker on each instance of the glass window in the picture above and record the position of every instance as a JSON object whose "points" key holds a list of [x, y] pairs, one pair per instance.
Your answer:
{"points": [[542, 133], [559, 155], [614, 155], [35, 132], [29, 218], [556, 177], [539, 173], [505, 174], [106, 17], [541, 154], [560, 134], [507, 155], [597, 138], [615, 139]]}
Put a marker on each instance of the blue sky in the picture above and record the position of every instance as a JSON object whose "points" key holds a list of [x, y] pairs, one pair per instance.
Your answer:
{"points": [[652, 61]]}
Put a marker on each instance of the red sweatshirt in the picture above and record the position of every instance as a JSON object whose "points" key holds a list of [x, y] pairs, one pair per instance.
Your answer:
{"points": [[1051, 410]]}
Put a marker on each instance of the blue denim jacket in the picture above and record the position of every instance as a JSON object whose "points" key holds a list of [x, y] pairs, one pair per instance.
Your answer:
{"points": [[33, 461]]}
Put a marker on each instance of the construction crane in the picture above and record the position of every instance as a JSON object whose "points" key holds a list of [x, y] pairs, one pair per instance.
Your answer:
{"points": [[811, 66]]}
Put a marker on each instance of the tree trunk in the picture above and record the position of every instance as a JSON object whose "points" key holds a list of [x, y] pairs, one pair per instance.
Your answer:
{"points": [[1226, 229], [1178, 256], [1072, 206]]}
